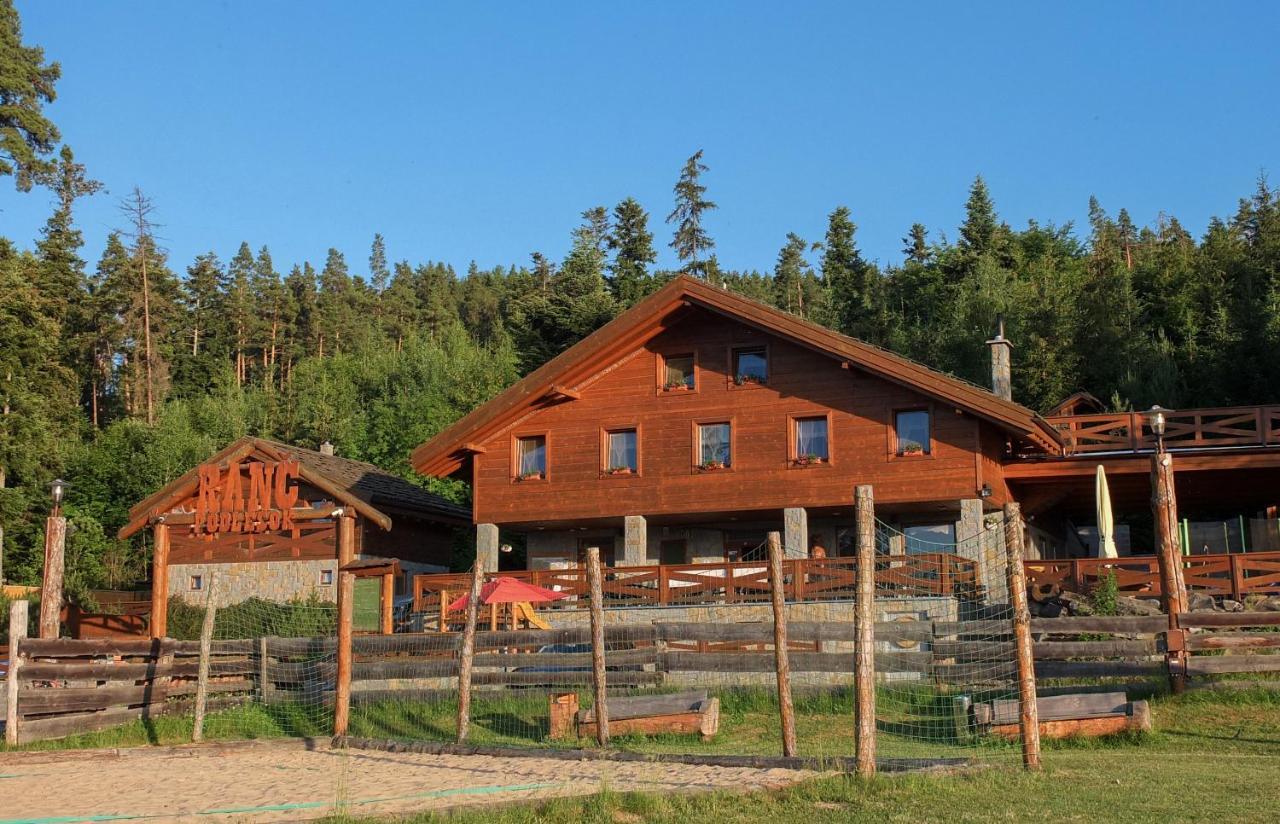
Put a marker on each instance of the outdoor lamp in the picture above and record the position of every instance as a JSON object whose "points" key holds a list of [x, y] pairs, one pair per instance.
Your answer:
{"points": [[57, 490], [1156, 420], [506, 548]]}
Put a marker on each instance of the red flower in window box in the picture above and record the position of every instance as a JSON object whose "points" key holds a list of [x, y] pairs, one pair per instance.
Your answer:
{"points": [[712, 466], [619, 470], [676, 386], [911, 449], [810, 460]]}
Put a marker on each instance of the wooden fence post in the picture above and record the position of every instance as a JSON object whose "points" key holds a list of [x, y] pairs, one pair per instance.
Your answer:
{"points": [[55, 543], [160, 580], [864, 670], [1164, 508], [467, 654], [346, 616], [263, 658], [1028, 712], [601, 707], [777, 586], [18, 617], [202, 670]]}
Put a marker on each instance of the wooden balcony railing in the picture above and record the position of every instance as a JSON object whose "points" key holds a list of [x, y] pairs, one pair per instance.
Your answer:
{"points": [[1232, 576], [1189, 429], [807, 579]]}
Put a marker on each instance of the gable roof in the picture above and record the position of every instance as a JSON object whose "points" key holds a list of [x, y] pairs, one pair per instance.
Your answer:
{"points": [[1078, 403], [563, 376], [357, 484]]}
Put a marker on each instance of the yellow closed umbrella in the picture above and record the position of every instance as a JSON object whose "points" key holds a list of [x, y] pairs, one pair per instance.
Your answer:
{"points": [[1106, 522]]}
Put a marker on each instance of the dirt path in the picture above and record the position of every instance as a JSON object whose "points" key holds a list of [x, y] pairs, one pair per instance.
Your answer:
{"points": [[288, 782]]}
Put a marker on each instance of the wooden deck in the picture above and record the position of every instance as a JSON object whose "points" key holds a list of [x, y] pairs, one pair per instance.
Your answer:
{"points": [[807, 579], [1232, 576], [1236, 426]]}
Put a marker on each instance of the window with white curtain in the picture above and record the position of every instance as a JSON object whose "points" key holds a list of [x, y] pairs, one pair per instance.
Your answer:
{"points": [[714, 444], [622, 454], [531, 456], [812, 441]]}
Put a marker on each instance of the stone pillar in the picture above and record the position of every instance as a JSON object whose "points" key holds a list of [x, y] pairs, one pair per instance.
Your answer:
{"points": [[635, 541], [795, 530], [970, 540], [487, 546]]}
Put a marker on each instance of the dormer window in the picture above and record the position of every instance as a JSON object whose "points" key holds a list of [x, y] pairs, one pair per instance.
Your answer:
{"points": [[751, 366], [531, 458]]}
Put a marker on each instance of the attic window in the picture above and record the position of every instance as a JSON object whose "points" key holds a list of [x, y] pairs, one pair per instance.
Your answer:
{"points": [[911, 431], [677, 373], [751, 366], [531, 458]]}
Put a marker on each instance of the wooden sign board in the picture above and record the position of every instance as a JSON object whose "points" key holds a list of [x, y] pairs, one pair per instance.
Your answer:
{"points": [[225, 502]]}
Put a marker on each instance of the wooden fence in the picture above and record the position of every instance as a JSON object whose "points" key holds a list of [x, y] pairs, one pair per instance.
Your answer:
{"points": [[1191, 429], [1236, 575], [807, 579]]}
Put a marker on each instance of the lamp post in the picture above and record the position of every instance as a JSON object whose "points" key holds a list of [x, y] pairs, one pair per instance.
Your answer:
{"points": [[1164, 511], [55, 542]]}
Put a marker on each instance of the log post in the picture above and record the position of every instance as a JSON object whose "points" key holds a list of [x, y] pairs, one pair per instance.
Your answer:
{"points": [[202, 670], [467, 654], [777, 585], [444, 610], [55, 545], [346, 538], [342, 687], [18, 616], [263, 658], [388, 603], [1028, 713], [1164, 508], [601, 707], [864, 671], [160, 580]]}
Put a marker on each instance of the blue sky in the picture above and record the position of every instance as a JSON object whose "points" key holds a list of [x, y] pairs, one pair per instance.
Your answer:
{"points": [[481, 131]]}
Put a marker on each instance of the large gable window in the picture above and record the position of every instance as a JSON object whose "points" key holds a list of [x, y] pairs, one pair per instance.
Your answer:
{"points": [[911, 432], [715, 445], [751, 366], [531, 458]]}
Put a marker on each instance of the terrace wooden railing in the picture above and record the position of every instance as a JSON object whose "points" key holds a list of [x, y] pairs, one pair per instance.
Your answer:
{"points": [[1190, 429], [1235, 576], [807, 579]]}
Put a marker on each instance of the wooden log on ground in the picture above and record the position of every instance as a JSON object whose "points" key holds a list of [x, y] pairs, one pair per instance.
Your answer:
{"points": [[681, 714]]}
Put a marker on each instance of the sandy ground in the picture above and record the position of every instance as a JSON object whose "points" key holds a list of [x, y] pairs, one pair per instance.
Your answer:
{"points": [[290, 782]]}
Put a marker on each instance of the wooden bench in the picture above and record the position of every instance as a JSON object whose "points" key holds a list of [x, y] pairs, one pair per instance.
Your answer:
{"points": [[1061, 716], [685, 713]]}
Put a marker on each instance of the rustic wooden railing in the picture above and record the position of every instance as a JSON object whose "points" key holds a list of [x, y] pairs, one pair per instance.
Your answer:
{"points": [[1232, 576], [1189, 429], [807, 579]]}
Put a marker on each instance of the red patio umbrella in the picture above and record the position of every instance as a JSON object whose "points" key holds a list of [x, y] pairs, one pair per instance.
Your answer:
{"points": [[505, 590]]}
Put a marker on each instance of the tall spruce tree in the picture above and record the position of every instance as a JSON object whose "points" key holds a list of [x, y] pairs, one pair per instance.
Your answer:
{"points": [[691, 240], [27, 83], [237, 302], [852, 281], [632, 245]]}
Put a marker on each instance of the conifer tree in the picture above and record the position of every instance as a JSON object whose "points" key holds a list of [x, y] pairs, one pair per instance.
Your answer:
{"points": [[333, 304], [691, 240], [270, 301], [852, 281], [26, 84], [789, 275], [237, 301], [632, 245], [379, 274]]}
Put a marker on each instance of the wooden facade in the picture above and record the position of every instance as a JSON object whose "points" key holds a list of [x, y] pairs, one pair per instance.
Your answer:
{"points": [[652, 387]]}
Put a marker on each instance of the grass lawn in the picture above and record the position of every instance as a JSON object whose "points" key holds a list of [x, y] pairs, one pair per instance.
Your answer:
{"points": [[1214, 757]]}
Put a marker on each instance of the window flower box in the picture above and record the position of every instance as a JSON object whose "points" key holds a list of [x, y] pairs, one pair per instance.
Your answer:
{"points": [[810, 460], [911, 450], [676, 386], [712, 466], [530, 476], [618, 470], [750, 380]]}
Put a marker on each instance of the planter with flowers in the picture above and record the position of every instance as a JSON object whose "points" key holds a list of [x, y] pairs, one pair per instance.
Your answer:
{"points": [[911, 449], [677, 386], [750, 380], [618, 470], [810, 460], [530, 476], [712, 466]]}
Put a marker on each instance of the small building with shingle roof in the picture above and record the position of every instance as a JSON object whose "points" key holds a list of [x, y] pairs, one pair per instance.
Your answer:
{"points": [[276, 521]]}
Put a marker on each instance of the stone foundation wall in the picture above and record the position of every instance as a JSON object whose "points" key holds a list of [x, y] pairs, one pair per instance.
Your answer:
{"points": [[277, 581]]}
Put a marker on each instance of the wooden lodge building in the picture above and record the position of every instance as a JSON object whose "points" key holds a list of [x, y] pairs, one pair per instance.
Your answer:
{"points": [[698, 420], [275, 522]]}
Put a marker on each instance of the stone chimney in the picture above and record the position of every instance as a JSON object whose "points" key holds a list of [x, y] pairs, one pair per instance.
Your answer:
{"points": [[1001, 350], [326, 448]]}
